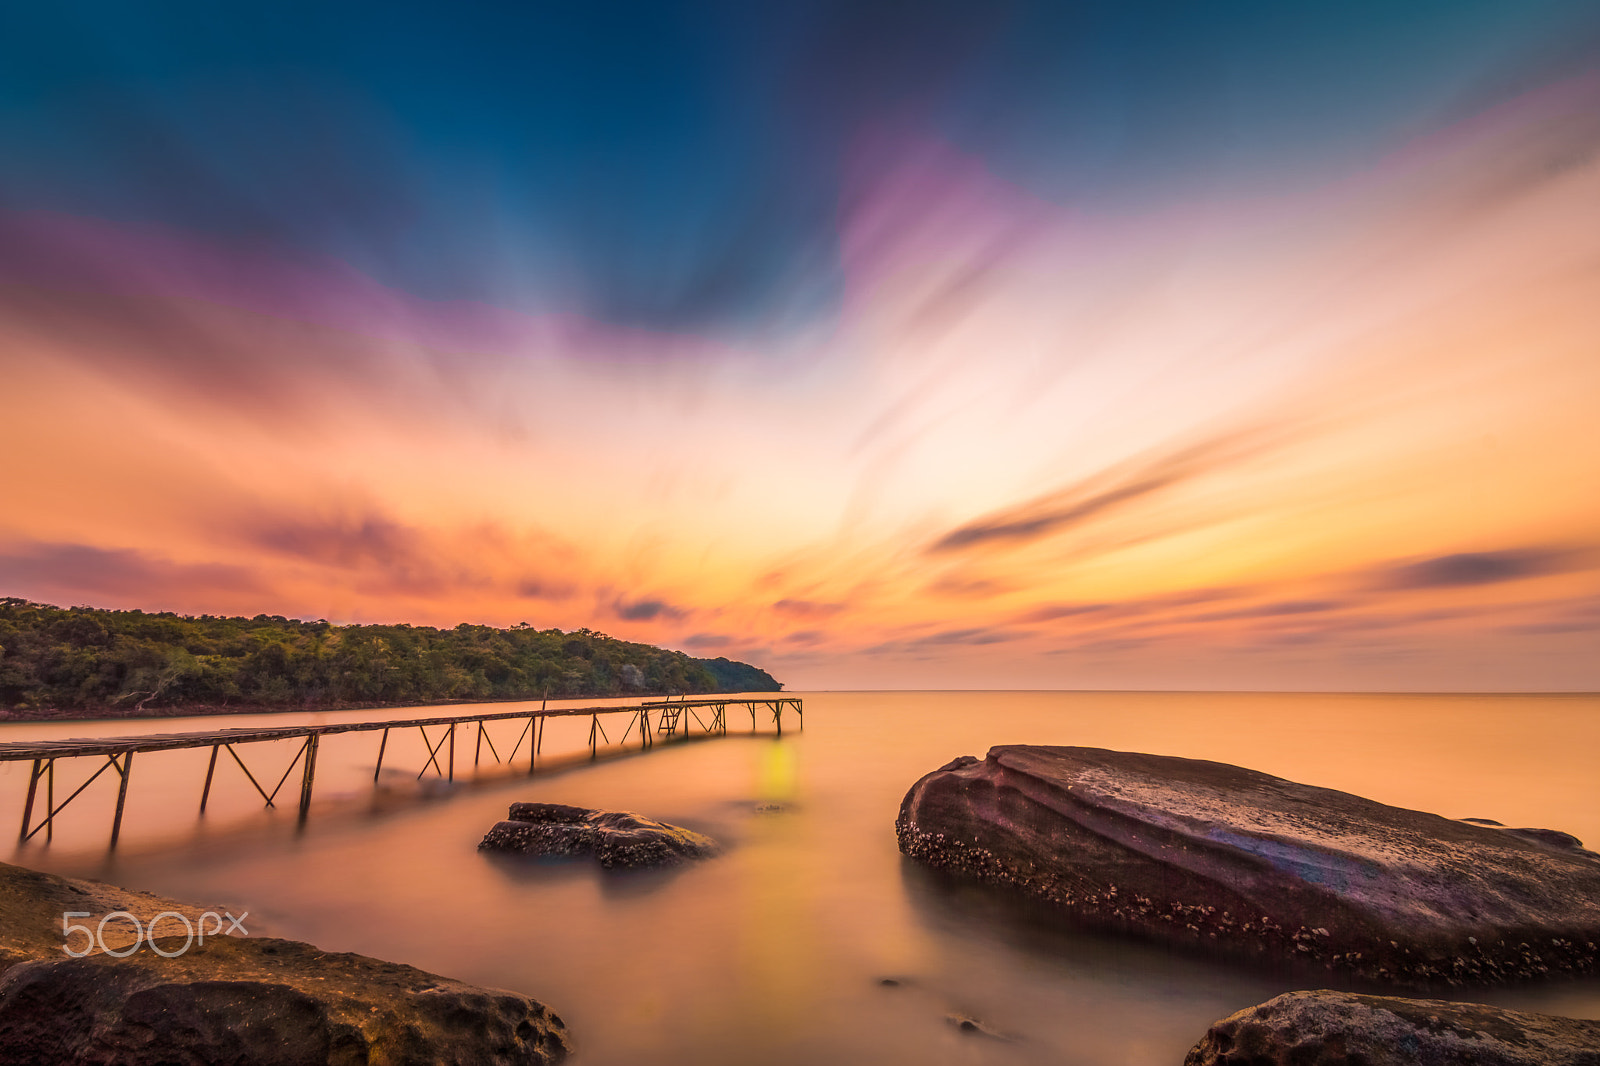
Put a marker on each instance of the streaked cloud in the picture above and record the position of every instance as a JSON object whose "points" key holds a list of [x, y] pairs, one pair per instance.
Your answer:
{"points": [[1481, 568], [647, 610], [708, 640], [1275, 610], [807, 608], [1065, 509], [91, 574]]}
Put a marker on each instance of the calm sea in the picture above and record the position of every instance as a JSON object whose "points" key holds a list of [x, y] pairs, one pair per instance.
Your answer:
{"points": [[776, 952]]}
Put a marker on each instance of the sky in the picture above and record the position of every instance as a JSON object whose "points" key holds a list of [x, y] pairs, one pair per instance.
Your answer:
{"points": [[947, 344]]}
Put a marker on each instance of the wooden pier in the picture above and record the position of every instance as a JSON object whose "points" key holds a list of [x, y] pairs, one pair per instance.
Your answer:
{"points": [[673, 717]]}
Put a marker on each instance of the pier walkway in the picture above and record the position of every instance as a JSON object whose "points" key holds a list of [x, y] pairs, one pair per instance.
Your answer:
{"points": [[671, 718]]}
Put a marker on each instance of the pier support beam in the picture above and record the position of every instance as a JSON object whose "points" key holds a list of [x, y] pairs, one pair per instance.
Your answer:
{"points": [[211, 770], [382, 744], [433, 753], [33, 788], [126, 770], [309, 776]]}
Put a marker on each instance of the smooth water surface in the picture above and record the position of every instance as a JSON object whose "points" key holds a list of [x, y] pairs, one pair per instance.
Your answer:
{"points": [[777, 951]]}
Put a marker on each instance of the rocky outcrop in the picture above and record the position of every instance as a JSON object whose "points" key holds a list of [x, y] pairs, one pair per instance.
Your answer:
{"points": [[237, 1000], [1217, 854], [32, 903], [262, 1001], [616, 838], [1552, 838], [1338, 1029]]}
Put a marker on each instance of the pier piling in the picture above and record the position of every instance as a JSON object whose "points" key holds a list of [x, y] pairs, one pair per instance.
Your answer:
{"points": [[126, 770], [33, 789], [310, 775], [211, 770]]}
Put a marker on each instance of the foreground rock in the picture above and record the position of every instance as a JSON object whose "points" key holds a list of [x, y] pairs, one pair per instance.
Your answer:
{"points": [[1338, 1028], [32, 903], [1215, 853], [244, 1001], [616, 838], [262, 1001]]}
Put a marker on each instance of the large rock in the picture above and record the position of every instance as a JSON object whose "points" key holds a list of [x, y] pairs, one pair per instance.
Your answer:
{"points": [[32, 903], [616, 838], [1340, 1029], [243, 1001], [1218, 854], [263, 1002]]}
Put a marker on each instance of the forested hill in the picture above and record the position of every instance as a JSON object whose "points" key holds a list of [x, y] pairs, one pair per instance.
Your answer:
{"points": [[81, 660]]}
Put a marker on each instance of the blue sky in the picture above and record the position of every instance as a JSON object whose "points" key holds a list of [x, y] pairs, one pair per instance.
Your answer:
{"points": [[682, 165]]}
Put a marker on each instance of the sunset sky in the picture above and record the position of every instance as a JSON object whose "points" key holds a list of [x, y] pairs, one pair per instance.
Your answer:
{"points": [[913, 345]]}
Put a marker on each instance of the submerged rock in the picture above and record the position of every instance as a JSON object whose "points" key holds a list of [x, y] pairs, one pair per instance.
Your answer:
{"points": [[616, 838], [234, 999], [263, 1002], [968, 1024], [1339, 1028], [1218, 854]]}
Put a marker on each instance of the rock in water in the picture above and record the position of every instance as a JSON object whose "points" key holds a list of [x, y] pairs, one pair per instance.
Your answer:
{"points": [[263, 1002], [1219, 854], [1338, 1028], [616, 838]]}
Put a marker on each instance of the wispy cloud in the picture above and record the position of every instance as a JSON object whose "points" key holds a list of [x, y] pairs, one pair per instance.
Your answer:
{"points": [[807, 608], [1073, 506], [343, 543], [647, 610], [126, 576], [1281, 609], [977, 635], [1054, 611], [1480, 568], [381, 555], [708, 640]]}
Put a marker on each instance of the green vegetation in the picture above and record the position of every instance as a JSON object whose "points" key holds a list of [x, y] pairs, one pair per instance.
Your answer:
{"points": [[80, 659], [730, 676]]}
